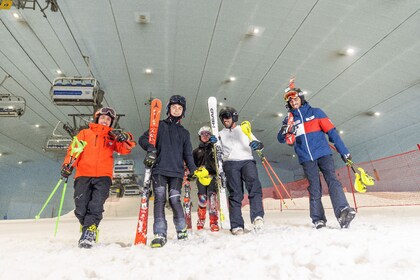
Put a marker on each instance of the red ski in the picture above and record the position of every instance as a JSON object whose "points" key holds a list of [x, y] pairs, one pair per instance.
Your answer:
{"points": [[141, 230], [290, 137], [187, 199]]}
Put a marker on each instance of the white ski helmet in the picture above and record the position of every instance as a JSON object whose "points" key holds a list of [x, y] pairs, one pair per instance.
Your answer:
{"points": [[204, 129]]}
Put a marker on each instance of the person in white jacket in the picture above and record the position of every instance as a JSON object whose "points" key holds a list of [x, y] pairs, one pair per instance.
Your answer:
{"points": [[240, 167]]}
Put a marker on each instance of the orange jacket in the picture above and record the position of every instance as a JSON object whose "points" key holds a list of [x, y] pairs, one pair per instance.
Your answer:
{"points": [[97, 160]]}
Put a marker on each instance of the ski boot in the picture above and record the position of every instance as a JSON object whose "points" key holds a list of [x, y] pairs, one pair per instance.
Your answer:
{"points": [[89, 237], [201, 217], [258, 224], [183, 234], [319, 224], [213, 223], [346, 216], [237, 231], [159, 241]]}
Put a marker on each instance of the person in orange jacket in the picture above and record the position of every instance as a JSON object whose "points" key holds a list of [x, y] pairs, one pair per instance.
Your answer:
{"points": [[94, 170]]}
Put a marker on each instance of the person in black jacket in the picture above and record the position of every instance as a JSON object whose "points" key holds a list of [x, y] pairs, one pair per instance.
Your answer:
{"points": [[173, 147], [204, 156]]}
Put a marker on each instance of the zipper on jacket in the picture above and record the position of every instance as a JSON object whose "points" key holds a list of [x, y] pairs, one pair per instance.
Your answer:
{"points": [[304, 134]]}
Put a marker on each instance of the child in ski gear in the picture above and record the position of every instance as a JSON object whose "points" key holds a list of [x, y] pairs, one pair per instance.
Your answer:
{"points": [[173, 147], [94, 169], [240, 167], [310, 126], [204, 156]]}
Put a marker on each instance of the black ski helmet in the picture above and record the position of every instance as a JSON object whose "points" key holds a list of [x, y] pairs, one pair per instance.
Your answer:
{"points": [[228, 112], [177, 99], [293, 93], [105, 111]]}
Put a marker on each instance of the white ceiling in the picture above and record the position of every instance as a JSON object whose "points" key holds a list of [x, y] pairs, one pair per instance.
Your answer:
{"points": [[194, 46]]}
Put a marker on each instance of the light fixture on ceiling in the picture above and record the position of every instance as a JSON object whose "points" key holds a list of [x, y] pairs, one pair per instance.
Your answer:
{"points": [[37, 125], [341, 132], [148, 71], [373, 113], [142, 18], [232, 79], [59, 72], [1, 154], [20, 162], [347, 51], [220, 104], [255, 30], [280, 114]]}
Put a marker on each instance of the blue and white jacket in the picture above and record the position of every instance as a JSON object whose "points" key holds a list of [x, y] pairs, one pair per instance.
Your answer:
{"points": [[311, 143]]}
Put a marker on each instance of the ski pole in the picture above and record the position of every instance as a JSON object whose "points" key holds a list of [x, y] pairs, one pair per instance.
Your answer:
{"points": [[275, 186], [246, 128], [61, 206], [48, 199]]}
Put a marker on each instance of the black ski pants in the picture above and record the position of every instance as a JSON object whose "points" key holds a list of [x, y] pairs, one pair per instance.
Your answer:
{"points": [[160, 225], [90, 194], [238, 173]]}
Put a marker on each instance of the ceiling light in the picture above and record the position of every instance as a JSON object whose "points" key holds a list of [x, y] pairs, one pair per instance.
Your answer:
{"points": [[341, 132], [1, 154], [142, 17], [37, 125], [148, 71], [232, 79], [59, 71], [16, 15], [377, 114], [347, 51], [20, 162], [255, 30], [220, 104], [280, 114]]}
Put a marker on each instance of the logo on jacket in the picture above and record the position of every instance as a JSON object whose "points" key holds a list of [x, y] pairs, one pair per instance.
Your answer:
{"points": [[310, 118]]}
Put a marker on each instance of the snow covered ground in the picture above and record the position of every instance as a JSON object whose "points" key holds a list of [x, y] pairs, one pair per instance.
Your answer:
{"points": [[382, 243]]}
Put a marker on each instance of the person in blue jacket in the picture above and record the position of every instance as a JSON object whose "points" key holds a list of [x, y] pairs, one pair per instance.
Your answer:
{"points": [[311, 146]]}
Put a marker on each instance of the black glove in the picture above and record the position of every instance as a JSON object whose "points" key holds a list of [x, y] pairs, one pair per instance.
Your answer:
{"points": [[256, 145], [346, 157], [288, 128], [150, 159], [119, 135], [66, 171]]}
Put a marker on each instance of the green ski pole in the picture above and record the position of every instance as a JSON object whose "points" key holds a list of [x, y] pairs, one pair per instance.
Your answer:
{"points": [[49, 198], [61, 207]]}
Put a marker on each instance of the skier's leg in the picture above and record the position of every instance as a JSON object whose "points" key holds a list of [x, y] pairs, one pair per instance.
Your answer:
{"points": [[316, 209], [236, 192], [202, 205], [175, 185], [160, 225], [335, 189], [100, 192], [81, 196], [253, 186]]}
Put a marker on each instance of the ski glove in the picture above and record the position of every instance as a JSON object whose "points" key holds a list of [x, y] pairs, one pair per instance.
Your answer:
{"points": [[119, 135], [347, 157], [203, 176], [256, 145], [151, 156], [66, 171], [213, 139], [288, 128]]}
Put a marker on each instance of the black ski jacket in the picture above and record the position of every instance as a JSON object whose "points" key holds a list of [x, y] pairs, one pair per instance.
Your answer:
{"points": [[173, 146], [203, 155]]}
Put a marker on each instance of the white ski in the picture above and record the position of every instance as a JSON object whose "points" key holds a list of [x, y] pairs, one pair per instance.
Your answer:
{"points": [[221, 177]]}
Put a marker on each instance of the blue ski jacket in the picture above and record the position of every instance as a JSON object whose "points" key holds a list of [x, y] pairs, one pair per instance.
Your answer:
{"points": [[312, 125], [173, 145]]}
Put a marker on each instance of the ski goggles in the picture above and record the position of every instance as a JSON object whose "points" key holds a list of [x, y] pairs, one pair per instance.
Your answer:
{"points": [[205, 133], [290, 95], [107, 111]]}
